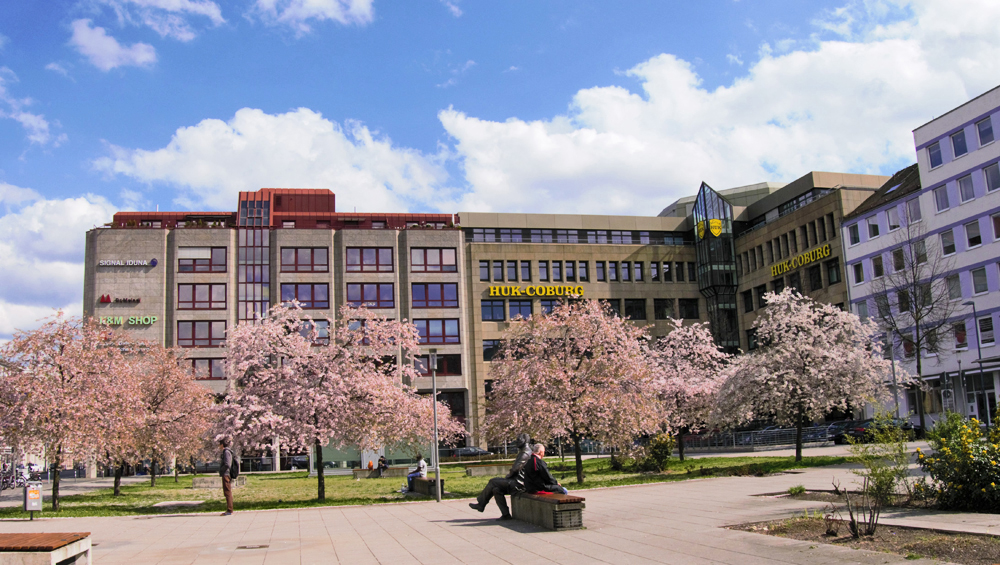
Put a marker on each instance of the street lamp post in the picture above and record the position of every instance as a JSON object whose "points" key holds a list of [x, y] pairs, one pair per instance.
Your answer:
{"points": [[979, 350], [434, 395], [895, 387]]}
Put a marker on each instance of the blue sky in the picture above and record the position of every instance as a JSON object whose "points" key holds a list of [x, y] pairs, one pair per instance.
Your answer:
{"points": [[434, 105]]}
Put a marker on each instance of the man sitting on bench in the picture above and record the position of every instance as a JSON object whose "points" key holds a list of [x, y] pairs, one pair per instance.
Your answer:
{"points": [[511, 484], [537, 477]]}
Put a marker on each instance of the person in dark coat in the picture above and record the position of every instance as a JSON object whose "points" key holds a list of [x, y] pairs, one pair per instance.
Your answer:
{"points": [[382, 466], [511, 484], [537, 477], [225, 466]]}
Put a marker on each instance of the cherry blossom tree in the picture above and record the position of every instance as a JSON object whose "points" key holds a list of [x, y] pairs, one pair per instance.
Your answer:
{"points": [[578, 372], [330, 381], [813, 358], [65, 390], [688, 374]]}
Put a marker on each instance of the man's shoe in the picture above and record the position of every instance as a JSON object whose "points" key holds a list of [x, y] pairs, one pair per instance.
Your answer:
{"points": [[476, 506], [505, 517], [227, 513]]}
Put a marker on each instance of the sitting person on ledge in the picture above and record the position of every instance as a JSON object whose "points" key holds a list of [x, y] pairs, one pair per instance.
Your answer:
{"points": [[382, 466], [513, 483], [537, 477], [420, 471]]}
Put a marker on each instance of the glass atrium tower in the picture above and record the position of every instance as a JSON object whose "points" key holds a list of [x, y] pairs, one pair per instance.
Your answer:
{"points": [[716, 254]]}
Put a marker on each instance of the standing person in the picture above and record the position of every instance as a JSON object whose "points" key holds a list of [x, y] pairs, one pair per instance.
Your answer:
{"points": [[382, 466], [511, 484], [226, 463], [420, 471], [537, 477]]}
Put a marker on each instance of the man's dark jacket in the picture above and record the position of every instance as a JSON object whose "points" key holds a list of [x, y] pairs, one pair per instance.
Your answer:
{"points": [[226, 463], [537, 477]]}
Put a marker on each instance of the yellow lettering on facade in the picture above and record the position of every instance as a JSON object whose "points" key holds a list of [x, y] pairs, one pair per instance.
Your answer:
{"points": [[550, 291], [515, 291], [504, 291], [530, 291], [579, 290], [494, 291]]}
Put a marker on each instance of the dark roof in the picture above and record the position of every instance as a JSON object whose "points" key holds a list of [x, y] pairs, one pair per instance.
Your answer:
{"points": [[904, 182]]}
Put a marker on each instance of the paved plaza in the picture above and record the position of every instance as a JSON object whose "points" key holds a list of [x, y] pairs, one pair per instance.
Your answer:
{"points": [[679, 522]]}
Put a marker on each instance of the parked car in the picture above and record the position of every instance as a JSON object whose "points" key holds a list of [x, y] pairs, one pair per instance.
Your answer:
{"points": [[862, 431], [837, 430], [471, 452], [299, 462]]}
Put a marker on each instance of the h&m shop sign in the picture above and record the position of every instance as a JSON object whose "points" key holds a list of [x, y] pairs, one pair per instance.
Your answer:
{"points": [[128, 321], [800, 260], [539, 290]]}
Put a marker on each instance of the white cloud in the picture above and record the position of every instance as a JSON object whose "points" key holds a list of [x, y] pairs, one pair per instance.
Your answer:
{"points": [[42, 253], [453, 8], [212, 161], [57, 68], [36, 126], [169, 18], [838, 106], [298, 14], [734, 59], [104, 51]]}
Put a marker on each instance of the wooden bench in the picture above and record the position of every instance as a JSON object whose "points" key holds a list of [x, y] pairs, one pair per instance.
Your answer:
{"points": [[373, 473], [214, 482], [549, 510], [45, 549], [426, 486], [487, 470]]}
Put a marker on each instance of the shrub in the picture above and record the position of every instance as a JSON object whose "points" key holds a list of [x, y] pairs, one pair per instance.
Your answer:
{"points": [[945, 429], [657, 453], [796, 490], [965, 470]]}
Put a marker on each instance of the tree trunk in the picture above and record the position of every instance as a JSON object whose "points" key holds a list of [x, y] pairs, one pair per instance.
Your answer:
{"points": [[56, 464], [321, 484], [176, 472], [578, 450], [680, 443], [917, 394], [119, 471], [152, 473], [798, 437]]}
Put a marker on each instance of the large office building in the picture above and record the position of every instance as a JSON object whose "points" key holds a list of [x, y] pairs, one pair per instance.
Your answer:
{"points": [[939, 218], [183, 278]]}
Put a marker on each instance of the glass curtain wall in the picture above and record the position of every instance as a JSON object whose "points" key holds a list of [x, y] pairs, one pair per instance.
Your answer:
{"points": [[716, 254], [253, 263]]}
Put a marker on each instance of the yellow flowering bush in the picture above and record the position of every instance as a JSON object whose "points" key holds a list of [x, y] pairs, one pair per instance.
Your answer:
{"points": [[964, 471]]}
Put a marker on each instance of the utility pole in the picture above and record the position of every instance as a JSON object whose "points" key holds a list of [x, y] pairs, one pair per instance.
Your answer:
{"points": [[979, 349], [434, 395]]}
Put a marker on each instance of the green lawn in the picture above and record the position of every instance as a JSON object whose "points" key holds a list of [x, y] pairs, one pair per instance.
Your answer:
{"points": [[297, 490]]}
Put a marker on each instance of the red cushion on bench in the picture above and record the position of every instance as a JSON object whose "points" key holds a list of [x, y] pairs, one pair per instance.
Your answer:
{"points": [[553, 497]]}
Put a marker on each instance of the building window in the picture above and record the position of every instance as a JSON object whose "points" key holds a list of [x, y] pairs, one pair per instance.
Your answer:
{"points": [[447, 365], [201, 334], [909, 348], [778, 285], [760, 291], [833, 271], [748, 301], [961, 336], [369, 259], [511, 271], [934, 154], [913, 211], [599, 265], [898, 260], [920, 251], [547, 306], [862, 308], [520, 308], [288, 224], [493, 311], [854, 234], [571, 271], [304, 260], [947, 242], [965, 190], [654, 270], [958, 143], [972, 235], [751, 339], [543, 270], [205, 369], [769, 256], [484, 270], [479, 234], [992, 176], [201, 260], [892, 217], [322, 328], [663, 308], [201, 297], [615, 305], [626, 271], [582, 271], [637, 268], [815, 278], [433, 260], [877, 269], [498, 271], [996, 227], [872, 227], [812, 232], [438, 331], [435, 295], [688, 308], [376, 225], [370, 295], [679, 270], [986, 331], [510, 236], [941, 198], [954, 285], [557, 271], [613, 271], [525, 271], [308, 295], [821, 229], [985, 129], [795, 281], [859, 273], [635, 308], [979, 284], [490, 349], [668, 275], [692, 273], [541, 236], [903, 299]]}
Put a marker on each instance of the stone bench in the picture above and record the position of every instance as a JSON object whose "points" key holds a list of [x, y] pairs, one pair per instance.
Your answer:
{"points": [[45, 549], [373, 473], [487, 470], [215, 482], [426, 486], [549, 510]]}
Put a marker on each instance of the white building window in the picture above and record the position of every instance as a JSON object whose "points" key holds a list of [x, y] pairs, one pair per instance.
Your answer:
{"points": [[872, 227], [854, 234], [859, 273], [913, 210], [975, 239], [979, 283], [985, 129], [954, 285], [934, 155], [947, 242], [941, 198], [892, 215], [986, 331], [958, 144], [992, 176], [965, 190]]}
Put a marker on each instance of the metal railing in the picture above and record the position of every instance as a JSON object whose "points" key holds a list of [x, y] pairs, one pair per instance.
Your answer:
{"points": [[757, 439]]}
